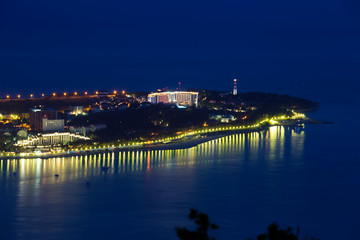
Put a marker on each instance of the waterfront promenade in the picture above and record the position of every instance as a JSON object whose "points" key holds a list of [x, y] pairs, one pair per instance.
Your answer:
{"points": [[184, 140]]}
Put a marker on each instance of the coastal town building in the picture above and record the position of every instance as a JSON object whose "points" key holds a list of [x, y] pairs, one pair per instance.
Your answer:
{"points": [[37, 115], [86, 129], [182, 98], [49, 139], [55, 125], [224, 118], [76, 110]]}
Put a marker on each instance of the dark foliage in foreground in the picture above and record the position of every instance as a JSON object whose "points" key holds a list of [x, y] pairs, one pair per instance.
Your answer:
{"points": [[203, 223], [274, 233]]}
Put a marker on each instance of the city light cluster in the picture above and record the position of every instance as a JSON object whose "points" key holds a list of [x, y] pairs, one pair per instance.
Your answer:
{"points": [[272, 121]]}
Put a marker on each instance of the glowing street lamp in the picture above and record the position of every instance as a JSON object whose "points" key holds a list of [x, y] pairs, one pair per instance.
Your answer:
{"points": [[97, 92], [86, 93], [31, 95], [54, 94], [123, 92], [115, 92], [75, 93], [43, 95], [8, 96], [65, 94], [19, 96]]}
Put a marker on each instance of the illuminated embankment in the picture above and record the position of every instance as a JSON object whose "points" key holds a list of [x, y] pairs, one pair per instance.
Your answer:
{"points": [[279, 120], [101, 163]]}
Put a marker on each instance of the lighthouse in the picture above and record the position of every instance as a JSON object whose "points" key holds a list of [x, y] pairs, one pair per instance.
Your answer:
{"points": [[235, 88]]}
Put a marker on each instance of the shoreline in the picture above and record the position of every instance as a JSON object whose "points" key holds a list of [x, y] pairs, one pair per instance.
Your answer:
{"points": [[193, 141], [183, 144]]}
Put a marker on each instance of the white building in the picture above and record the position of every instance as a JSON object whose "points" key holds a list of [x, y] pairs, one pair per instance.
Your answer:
{"points": [[49, 139], [224, 118], [178, 97], [53, 125]]}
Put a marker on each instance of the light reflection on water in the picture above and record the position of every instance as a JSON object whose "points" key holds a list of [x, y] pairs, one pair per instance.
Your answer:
{"points": [[151, 189], [296, 177], [270, 142]]}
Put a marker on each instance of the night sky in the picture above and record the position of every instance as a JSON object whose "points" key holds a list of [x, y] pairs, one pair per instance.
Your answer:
{"points": [[305, 48]]}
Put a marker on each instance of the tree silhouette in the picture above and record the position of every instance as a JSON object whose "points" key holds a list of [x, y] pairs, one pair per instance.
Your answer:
{"points": [[274, 233], [203, 223]]}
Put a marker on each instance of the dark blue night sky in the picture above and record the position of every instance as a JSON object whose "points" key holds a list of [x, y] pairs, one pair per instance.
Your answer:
{"points": [[308, 49]]}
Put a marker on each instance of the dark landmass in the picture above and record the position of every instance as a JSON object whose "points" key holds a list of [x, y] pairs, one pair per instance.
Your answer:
{"points": [[256, 99], [130, 118], [59, 103]]}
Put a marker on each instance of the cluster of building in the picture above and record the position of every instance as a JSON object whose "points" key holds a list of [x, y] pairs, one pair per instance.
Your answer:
{"points": [[45, 120], [11, 124], [51, 129]]}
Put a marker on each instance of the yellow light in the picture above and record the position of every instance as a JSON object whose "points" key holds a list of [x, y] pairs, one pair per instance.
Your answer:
{"points": [[75, 93], [42, 95], [19, 96], [31, 95], [7, 96], [86, 93], [115, 92], [54, 94], [123, 92], [96, 92], [65, 94]]}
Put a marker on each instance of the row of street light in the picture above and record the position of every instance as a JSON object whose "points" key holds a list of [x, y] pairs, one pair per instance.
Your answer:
{"points": [[65, 94]]}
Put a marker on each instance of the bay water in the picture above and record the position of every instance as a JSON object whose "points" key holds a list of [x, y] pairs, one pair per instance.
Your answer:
{"points": [[306, 176]]}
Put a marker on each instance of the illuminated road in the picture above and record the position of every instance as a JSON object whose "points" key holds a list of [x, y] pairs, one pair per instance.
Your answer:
{"points": [[87, 150]]}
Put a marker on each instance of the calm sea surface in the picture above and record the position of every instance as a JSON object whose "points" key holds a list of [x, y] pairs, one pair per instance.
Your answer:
{"points": [[307, 177]]}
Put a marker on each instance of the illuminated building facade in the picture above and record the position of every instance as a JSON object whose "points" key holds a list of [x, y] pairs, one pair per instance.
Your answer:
{"points": [[224, 118], [50, 139], [179, 97], [76, 110]]}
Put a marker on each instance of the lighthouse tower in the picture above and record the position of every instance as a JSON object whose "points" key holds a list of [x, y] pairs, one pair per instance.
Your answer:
{"points": [[235, 88]]}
